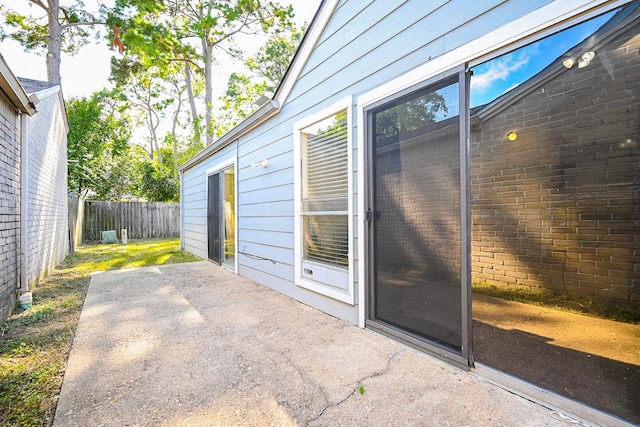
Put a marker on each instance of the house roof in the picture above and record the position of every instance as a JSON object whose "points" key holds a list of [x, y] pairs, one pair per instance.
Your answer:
{"points": [[12, 88], [271, 108], [38, 89], [34, 86]]}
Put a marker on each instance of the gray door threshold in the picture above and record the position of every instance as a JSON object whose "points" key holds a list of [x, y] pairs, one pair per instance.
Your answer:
{"points": [[568, 409]]}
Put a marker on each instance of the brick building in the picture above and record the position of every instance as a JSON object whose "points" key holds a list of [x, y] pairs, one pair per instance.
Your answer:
{"points": [[34, 235]]}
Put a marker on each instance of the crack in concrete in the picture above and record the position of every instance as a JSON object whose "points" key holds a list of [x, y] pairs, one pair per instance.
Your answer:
{"points": [[358, 385]]}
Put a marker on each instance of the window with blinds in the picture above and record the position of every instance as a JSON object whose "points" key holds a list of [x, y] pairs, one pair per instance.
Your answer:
{"points": [[325, 191], [323, 205]]}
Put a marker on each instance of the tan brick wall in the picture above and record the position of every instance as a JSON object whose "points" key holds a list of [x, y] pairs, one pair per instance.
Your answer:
{"points": [[417, 206], [559, 208]]}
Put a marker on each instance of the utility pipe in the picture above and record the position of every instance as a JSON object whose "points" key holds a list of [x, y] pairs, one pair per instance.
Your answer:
{"points": [[24, 204]]}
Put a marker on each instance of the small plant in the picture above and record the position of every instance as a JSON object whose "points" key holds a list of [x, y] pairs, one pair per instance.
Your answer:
{"points": [[361, 389]]}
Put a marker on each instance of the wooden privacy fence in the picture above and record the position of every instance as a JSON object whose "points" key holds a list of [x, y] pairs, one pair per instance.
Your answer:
{"points": [[89, 218]]}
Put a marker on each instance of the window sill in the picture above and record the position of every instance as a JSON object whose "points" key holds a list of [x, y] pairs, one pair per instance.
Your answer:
{"points": [[326, 290]]}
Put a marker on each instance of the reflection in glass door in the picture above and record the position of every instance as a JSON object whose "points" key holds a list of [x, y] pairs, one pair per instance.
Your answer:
{"points": [[221, 217], [415, 218], [213, 218], [556, 212], [229, 217]]}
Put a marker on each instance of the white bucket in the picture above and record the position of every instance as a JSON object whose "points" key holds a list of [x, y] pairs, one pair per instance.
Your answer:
{"points": [[25, 300]]}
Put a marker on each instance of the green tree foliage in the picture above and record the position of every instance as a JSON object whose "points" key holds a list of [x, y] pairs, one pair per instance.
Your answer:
{"points": [[52, 28], [272, 60], [266, 68], [411, 116], [168, 31], [238, 102], [156, 182], [97, 145], [150, 94]]}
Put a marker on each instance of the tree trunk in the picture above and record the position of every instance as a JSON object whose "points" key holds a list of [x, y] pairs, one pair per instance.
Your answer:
{"points": [[155, 146], [152, 123], [174, 125], [192, 103], [208, 89], [54, 42]]}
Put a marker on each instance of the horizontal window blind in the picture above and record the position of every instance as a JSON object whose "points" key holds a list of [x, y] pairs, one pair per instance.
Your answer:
{"points": [[325, 185], [326, 239]]}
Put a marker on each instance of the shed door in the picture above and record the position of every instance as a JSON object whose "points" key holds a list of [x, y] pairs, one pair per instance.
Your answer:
{"points": [[416, 285], [213, 218]]}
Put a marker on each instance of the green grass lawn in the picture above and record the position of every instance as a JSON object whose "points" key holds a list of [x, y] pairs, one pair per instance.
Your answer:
{"points": [[35, 343]]}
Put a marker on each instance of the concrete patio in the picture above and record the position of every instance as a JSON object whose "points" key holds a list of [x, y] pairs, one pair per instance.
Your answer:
{"points": [[194, 345]]}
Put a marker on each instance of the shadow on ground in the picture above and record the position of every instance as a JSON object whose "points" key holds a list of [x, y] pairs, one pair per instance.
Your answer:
{"points": [[591, 360]]}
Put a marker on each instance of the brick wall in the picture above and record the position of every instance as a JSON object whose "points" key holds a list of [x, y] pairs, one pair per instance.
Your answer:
{"points": [[558, 208], [9, 208], [417, 206], [48, 198]]}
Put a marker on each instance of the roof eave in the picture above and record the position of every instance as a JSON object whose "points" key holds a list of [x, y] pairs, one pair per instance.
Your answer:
{"points": [[14, 90], [266, 111]]}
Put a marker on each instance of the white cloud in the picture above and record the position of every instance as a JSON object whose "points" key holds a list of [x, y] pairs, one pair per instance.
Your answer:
{"points": [[499, 69]]}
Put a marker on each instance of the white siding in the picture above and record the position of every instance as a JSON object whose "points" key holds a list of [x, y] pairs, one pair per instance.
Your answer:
{"points": [[47, 188]]}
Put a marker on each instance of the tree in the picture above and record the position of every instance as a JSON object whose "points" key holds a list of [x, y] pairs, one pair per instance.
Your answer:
{"points": [[272, 60], [170, 31], [238, 101], [156, 182], [62, 29], [266, 69], [411, 116], [145, 92], [98, 137]]}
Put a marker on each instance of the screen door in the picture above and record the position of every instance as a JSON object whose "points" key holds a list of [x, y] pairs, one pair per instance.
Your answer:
{"points": [[415, 217]]}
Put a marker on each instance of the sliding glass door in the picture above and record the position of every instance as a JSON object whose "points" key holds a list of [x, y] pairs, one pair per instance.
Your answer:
{"points": [[221, 217]]}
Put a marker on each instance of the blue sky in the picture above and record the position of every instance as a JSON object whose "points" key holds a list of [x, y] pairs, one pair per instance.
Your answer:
{"points": [[495, 77]]}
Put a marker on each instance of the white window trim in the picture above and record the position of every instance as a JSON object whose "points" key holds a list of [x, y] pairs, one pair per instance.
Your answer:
{"points": [[346, 297], [552, 17], [213, 170]]}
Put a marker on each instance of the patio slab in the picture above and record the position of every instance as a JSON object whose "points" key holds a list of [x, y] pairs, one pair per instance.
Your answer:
{"points": [[193, 344]]}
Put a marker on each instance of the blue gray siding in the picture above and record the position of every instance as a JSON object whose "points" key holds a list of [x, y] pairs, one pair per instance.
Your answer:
{"points": [[365, 44], [194, 203]]}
